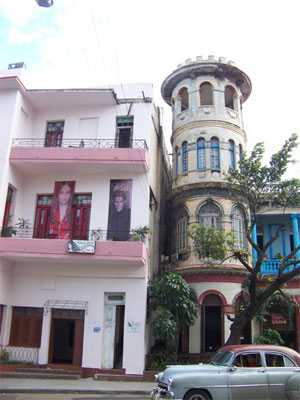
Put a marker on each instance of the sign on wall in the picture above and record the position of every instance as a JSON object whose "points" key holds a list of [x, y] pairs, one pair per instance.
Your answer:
{"points": [[81, 246]]}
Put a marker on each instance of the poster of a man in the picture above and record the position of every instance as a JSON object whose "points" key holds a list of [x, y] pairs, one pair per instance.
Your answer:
{"points": [[61, 210], [119, 209]]}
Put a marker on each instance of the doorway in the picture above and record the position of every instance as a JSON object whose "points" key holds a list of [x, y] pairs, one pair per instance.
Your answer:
{"points": [[113, 338], [66, 337], [212, 323]]}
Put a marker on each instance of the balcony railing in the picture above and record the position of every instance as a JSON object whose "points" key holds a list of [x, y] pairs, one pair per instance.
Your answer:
{"points": [[92, 234], [272, 267], [83, 143]]}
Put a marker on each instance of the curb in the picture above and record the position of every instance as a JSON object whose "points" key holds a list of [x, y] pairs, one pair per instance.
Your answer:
{"points": [[78, 391]]}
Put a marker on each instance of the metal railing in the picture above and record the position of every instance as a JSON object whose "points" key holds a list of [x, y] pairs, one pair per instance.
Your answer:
{"points": [[18, 354], [160, 361], [92, 234], [80, 143]]}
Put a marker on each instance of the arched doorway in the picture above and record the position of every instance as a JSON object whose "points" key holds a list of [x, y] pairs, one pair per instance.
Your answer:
{"points": [[212, 323]]}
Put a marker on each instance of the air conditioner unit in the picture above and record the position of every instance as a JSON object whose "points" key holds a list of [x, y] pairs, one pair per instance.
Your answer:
{"points": [[174, 257]]}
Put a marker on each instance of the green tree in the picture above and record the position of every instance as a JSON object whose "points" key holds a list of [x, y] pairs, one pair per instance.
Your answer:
{"points": [[259, 188], [172, 304]]}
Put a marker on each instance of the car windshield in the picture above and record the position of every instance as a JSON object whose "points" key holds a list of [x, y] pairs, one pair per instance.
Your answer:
{"points": [[221, 358]]}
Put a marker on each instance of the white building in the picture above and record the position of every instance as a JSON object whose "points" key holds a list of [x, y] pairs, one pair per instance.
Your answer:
{"points": [[62, 305]]}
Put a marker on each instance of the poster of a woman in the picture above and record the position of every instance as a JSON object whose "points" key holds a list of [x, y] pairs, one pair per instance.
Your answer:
{"points": [[61, 210], [119, 209]]}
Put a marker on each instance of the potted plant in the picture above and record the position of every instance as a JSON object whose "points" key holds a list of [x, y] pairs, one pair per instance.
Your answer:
{"points": [[23, 224], [139, 234], [8, 230]]}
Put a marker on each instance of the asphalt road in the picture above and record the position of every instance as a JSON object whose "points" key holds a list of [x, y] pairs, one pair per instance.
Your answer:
{"points": [[30, 396]]}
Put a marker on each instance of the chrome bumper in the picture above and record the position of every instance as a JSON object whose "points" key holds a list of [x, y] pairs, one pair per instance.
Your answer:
{"points": [[161, 394]]}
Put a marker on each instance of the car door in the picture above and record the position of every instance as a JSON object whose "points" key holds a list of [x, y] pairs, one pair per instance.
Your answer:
{"points": [[279, 371], [246, 382]]}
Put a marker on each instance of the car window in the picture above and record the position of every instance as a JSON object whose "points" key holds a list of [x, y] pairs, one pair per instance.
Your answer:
{"points": [[278, 360], [221, 358], [247, 360], [274, 360]]}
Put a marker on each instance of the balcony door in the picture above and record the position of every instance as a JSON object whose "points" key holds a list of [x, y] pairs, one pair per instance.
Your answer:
{"points": [[54, 134], [80, 216]]}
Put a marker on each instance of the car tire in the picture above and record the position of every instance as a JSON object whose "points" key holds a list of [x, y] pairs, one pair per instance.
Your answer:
{"points": [[197, 395]]}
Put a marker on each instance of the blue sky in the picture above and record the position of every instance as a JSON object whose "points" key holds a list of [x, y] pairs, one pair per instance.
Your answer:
{"points": [[92, 43]]}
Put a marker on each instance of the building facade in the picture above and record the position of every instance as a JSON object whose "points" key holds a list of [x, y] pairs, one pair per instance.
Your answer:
{"points": [[83, 172], [208, 138]]}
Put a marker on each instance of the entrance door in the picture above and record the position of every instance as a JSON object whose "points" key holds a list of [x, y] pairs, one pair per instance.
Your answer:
{"points": [[114, 311], [66, 337], [212, 323]]}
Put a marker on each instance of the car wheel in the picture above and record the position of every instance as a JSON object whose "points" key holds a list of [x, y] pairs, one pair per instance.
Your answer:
{"points": [[197, 395]]}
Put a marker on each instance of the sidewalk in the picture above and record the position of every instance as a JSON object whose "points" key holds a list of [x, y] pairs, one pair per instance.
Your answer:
{"points": [[83, 385]]}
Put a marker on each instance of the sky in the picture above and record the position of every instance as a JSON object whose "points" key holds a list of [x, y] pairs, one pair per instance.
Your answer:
{"points": [[92, 43]]}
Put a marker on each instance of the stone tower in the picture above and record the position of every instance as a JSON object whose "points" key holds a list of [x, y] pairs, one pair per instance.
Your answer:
{"points": [[208, 138]]}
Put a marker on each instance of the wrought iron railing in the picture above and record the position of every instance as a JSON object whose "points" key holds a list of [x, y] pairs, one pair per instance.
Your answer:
{"points": [[160, 361], [84, 143], [18, 354], [92, 234]]}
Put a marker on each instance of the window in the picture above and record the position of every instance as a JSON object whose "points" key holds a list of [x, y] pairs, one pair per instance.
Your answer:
{"points": [[124, 132], [238, 227], [81, 210], [185, 158], [210, 215], [54, 134], [232, 154], [184, 99], [26, 327], [176, 160], [240, 151], [248, 360], [7, 210], [80, 216], [206, 94], [214, 153], [230, 95], [201, 154], [181, 225]]}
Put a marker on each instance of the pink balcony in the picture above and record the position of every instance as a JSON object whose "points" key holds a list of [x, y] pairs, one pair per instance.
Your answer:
{"points": [[31, 156], [54, 250]]}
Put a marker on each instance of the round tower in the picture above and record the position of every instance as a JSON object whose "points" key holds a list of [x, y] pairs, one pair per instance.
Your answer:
{"points": [[207, 139]]}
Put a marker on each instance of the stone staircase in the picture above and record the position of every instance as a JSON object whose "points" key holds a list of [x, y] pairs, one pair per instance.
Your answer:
{"points": [[41, 373]]}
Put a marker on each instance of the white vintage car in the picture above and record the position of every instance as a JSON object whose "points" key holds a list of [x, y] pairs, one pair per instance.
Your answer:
{"points": [[242, 372]]}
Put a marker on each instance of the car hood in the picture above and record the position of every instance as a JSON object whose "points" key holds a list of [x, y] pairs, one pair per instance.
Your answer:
{"points": [[173, 370]]}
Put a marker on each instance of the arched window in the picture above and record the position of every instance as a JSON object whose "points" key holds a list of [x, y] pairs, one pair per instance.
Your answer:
{"points": [[210, 215], [232, 154], [206, 94], [176, 160], [201, 156], [230, 95], [185, 158], [238, 227], [181, 225], [184, 99], [214, 153]]}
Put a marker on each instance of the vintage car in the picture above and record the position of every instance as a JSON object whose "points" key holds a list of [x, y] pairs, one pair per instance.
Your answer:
{"points": [[241, 372]]}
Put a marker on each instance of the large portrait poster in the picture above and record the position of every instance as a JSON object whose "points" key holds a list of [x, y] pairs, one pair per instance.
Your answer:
{"points": [[119, 212], [61, 210]]}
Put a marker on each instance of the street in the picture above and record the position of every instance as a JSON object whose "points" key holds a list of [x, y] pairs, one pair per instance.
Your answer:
{"points": [[31, 396]]}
